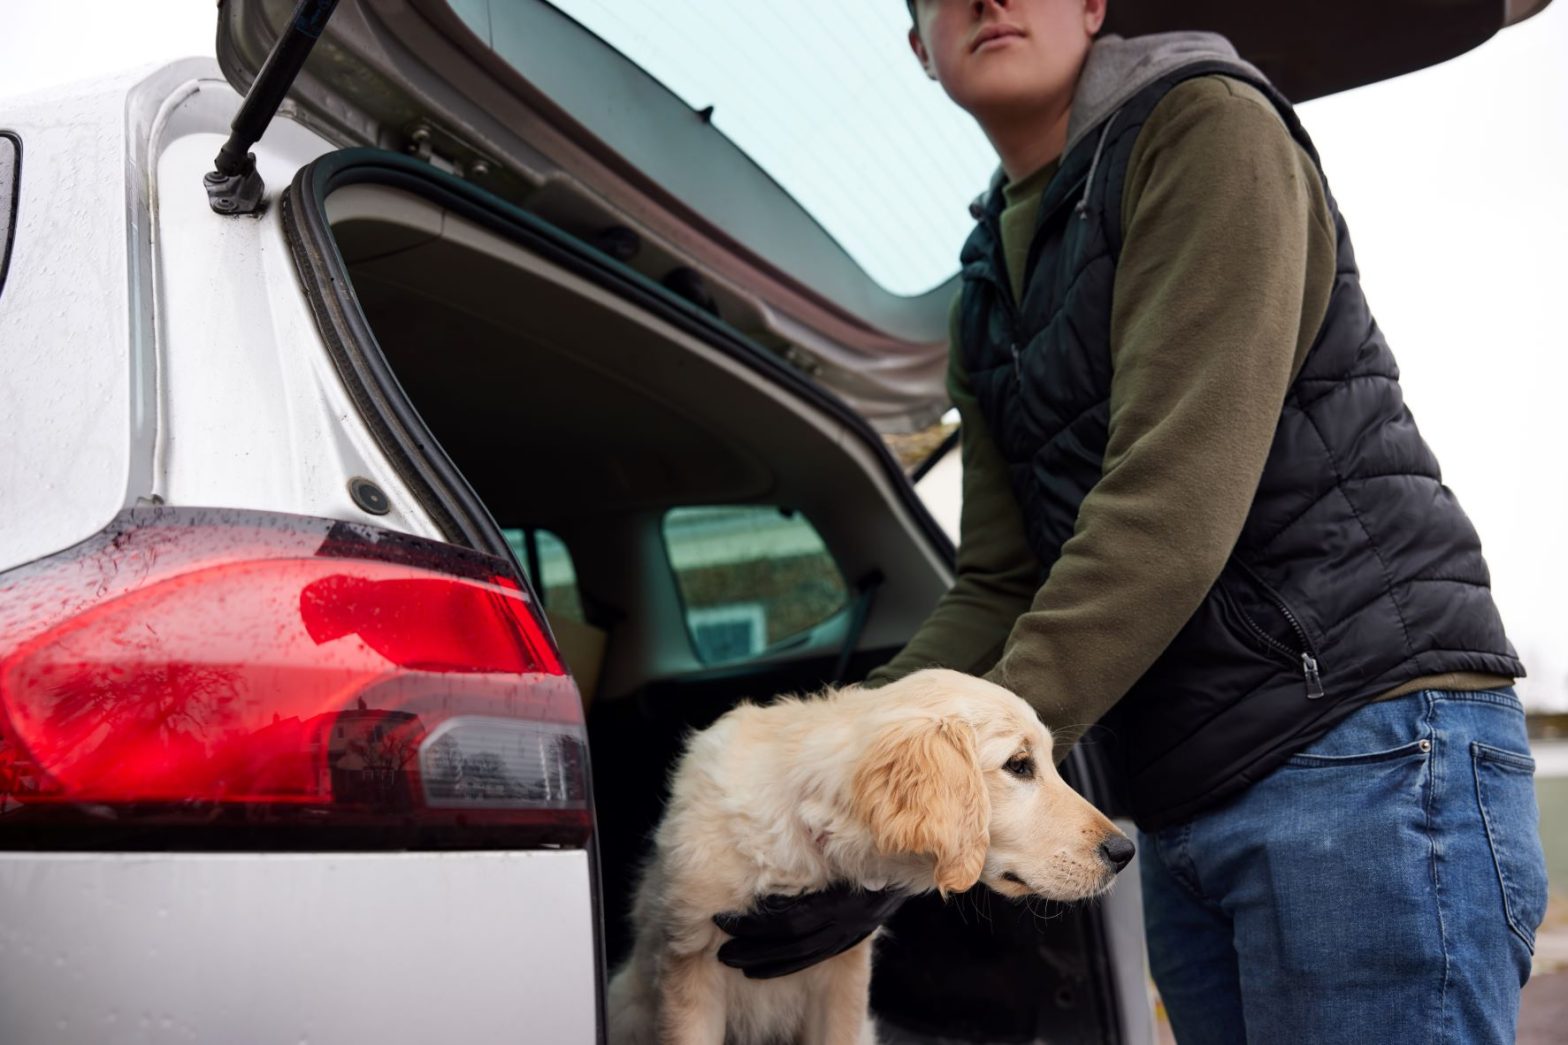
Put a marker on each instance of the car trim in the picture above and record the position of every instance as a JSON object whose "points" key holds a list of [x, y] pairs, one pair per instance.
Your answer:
{"points": [[10, 196], [398, 429]]}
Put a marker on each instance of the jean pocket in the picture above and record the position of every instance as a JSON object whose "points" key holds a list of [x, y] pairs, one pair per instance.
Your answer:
{"points": [[1414, 749], [1382, 731], [1505, 788]]}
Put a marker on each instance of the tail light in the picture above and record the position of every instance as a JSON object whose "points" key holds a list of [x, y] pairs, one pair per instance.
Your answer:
{"points": [[238, 679]]}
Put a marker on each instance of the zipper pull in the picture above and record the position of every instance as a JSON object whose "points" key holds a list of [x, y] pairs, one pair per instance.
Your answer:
{"points": [[1018, 369], [1309, 668]]}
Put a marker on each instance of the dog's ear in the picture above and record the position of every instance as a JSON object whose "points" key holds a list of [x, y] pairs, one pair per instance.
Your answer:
{"points": [[920, 790]]}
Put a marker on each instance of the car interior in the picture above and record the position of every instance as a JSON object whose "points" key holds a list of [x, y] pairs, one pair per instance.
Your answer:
{"points": [[702, 532]]}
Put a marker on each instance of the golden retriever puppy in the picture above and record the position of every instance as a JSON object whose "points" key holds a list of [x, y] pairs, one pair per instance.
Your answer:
{"points": [[937, 781]]}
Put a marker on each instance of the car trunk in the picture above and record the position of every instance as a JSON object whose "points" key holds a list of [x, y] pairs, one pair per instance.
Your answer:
{"points": [[574, 396]]}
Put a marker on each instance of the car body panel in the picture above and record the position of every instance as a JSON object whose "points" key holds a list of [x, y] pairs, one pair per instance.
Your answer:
{"points": [[66, 323], [258, 417], [191, 364], [390, 948]]}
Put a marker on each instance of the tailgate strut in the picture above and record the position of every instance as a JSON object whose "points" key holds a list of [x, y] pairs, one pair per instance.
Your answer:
{"points": [[234, 187]]}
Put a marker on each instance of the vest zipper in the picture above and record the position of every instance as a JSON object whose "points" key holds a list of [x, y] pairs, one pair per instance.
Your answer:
{"points": [[1309, 668], [1037, 241], [1310, 673]]}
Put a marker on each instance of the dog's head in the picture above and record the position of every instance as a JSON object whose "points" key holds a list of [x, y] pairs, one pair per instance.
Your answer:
{"points": [[960, 770]]}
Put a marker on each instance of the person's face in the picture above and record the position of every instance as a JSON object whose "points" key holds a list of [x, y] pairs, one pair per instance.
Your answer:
{"points": [[991, 55]]}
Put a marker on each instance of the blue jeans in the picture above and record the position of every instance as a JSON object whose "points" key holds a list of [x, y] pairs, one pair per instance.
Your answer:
{"points": [[1383, 885]]}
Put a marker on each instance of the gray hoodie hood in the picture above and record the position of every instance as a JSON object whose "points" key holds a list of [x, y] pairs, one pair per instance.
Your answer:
{"points": [[1117, 68]]}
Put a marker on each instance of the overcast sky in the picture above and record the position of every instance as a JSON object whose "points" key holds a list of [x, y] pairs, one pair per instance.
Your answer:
{"points": [[1452, 181]]}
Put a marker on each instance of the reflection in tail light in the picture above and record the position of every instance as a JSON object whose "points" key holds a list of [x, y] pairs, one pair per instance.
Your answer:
{"points": [[193, 668]]}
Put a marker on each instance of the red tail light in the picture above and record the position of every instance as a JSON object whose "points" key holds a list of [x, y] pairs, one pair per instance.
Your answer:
{"points": [[238, 672]]}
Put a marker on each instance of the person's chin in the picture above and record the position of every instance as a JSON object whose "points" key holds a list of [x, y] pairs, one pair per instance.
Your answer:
{"points": [[999, 88]]}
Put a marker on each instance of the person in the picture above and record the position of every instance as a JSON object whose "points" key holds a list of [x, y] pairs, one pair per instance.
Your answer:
{"points": [[1197, 511]]}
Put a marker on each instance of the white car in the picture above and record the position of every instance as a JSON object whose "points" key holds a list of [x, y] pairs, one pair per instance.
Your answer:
{"points": [[377, 521]]}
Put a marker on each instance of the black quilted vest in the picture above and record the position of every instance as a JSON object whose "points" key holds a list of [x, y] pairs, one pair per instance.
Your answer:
{"points": [[1356, 569]]}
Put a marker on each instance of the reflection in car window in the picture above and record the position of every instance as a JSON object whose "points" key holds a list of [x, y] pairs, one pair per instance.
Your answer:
{"points": [[549, 568], [750, 577]]}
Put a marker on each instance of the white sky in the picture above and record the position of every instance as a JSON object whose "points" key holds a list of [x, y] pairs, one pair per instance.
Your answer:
{"points": [[1452, 180]]}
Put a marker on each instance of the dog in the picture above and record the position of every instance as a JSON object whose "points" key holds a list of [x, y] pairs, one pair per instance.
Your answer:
{"points": [[938, 781]]}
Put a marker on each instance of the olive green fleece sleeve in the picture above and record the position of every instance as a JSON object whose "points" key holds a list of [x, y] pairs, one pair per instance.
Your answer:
{"points": [[997, 573], [1225, 273]]}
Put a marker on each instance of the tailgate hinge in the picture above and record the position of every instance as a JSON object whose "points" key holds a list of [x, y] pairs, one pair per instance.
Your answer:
{"points": [[234, 186]]}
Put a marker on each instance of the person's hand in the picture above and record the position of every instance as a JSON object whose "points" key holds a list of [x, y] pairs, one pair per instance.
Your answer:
{"points": [[785, 934]]}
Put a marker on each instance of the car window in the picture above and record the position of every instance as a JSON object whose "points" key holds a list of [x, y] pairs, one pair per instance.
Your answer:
{"points": [[549, 568], [10, 186], [751, 577], [742, 66]]}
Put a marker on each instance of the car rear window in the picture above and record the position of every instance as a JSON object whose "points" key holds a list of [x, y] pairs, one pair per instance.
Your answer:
{"points": [[828, 99], [751, 578], [547, 562]]}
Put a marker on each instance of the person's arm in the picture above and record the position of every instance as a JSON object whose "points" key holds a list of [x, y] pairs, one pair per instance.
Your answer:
{"points": [[997, 574], [1225, 273]]}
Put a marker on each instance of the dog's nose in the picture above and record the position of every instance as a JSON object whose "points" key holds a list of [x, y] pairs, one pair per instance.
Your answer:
{"points": [[1117, 850]]}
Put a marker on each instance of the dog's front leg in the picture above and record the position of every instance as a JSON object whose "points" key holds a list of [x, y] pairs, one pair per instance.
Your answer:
{"points": [[691, 1000], [840, 1000]]}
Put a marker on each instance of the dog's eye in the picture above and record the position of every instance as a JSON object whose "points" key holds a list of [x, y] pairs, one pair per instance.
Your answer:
{"points": [[1020, 766]]}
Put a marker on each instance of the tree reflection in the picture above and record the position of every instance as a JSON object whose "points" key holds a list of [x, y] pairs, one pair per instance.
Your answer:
{"points": [[370, 754], [144, 723], [455, 774]]}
